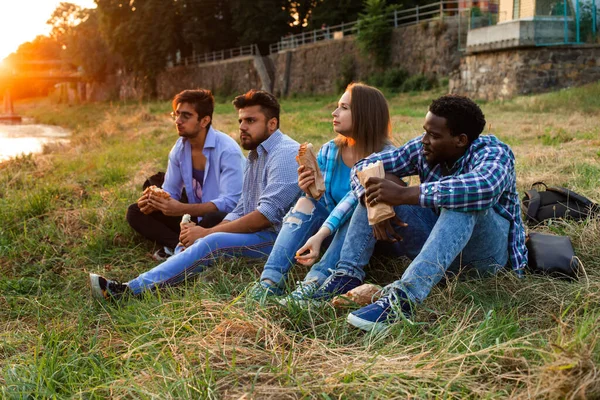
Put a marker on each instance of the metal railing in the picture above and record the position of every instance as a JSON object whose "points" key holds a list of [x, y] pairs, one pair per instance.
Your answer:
{"points": [[218, 55], [396, 18]]}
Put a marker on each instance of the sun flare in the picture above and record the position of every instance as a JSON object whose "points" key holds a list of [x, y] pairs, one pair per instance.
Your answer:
{"points": [[21, 21]]}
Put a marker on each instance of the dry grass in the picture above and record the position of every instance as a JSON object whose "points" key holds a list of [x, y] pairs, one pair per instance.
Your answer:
{"points": [[61, 215]]}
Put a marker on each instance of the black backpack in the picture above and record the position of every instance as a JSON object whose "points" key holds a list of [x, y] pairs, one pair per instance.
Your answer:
{"points": [[556, 202]]}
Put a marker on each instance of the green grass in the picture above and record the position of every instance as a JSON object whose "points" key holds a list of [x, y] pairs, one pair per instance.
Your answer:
{"points": [[62, 216]]}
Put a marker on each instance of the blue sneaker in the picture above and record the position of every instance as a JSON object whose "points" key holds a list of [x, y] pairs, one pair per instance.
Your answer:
{"points": [[337, 283], [302, 294], [260, 291], [391, 307]]}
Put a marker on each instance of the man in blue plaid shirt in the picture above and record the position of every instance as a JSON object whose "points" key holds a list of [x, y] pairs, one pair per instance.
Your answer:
{"points": [[463, 217]]}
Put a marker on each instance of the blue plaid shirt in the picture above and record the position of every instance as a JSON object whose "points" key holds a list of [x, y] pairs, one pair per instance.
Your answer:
{"points": [[327, 158], [270, 180], [483, 177]]}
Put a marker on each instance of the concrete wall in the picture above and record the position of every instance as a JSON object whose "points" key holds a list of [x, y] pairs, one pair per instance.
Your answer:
{"points": [[507, 73]]}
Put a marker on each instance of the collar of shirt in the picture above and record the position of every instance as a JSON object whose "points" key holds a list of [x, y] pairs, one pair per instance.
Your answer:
{"points": [[266, 146]]}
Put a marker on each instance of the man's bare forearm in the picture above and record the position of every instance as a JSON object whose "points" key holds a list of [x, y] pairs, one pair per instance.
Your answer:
{"points": [[249, 223]]}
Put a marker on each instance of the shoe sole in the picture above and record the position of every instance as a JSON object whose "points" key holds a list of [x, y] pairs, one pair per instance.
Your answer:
{"points": [[95, 288], [366, 325]]}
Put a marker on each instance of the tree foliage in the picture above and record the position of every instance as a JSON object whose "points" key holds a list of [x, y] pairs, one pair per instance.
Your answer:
{"points": [[260, 22], [334, 12], [375, 32], [143, 33]]}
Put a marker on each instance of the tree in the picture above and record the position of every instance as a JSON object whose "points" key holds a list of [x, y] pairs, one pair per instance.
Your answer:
{"points": [[206, 26], [86, 48], [63, 19], [334, 12], [143, 33], [260, 22], [375, 32]]}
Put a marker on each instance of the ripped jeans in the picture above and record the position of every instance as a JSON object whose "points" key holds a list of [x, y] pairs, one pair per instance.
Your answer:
{"points": [[296, 229]]}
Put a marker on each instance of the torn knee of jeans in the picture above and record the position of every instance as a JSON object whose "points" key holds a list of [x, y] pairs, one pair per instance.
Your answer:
{"points": [[293, 220], [304, 206]]}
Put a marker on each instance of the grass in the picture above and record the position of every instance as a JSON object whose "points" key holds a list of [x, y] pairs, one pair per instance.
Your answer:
{"points": [[62, 216]]}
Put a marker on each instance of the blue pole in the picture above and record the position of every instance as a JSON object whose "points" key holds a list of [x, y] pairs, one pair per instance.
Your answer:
{"points": [[577, 34], [566, 23], [594, 19]]}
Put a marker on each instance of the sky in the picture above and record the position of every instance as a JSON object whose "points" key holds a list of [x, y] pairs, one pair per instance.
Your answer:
{"points": [[22, 20]]}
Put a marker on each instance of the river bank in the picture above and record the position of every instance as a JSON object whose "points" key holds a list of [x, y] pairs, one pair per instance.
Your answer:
{"points": [[28, 137]]}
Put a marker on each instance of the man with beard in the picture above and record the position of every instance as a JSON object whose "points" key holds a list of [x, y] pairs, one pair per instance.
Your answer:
{"points": [[270, 187], [463, 218], [207, 163]]}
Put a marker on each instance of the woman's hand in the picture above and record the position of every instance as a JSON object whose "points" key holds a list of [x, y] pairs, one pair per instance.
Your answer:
{"points": [[307, 255], [306, 177]]}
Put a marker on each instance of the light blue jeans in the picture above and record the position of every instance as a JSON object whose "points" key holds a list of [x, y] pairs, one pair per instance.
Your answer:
{"points": [[201, 255], [451, 242], [296, 229]]}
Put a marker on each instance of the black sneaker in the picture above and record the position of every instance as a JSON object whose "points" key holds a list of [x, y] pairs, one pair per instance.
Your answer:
{"points": [[105, 289], [163, 253]]}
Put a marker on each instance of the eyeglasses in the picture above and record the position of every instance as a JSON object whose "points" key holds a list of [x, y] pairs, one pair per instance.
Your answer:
{"points": [[184, 115]]}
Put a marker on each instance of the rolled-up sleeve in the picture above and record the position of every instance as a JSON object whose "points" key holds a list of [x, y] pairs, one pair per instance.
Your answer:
{"points": [[231, 180], [173, 183]]}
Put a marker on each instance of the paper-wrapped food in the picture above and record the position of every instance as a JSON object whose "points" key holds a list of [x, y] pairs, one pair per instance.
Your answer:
{"points": [[362, 295], [156, 191], [306, 156], [186, 219], [379, 211]]}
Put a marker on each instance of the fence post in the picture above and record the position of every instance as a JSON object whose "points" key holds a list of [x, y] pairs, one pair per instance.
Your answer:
{"points": [[442, 9], [417, 13], [395, 18]]}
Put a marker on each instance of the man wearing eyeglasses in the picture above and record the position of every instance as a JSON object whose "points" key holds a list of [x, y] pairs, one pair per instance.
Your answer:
{"points": [[270, 188], [207, 163]]}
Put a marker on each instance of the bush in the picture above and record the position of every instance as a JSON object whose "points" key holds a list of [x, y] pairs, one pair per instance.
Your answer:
{"points": [[347, 67], [418, 83], [394, 78]]}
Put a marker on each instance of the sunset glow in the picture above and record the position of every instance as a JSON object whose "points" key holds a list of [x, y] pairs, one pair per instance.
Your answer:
{"points": [[22, 20]]}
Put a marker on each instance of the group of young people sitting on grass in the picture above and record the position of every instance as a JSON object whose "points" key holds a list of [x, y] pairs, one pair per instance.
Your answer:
{"points": [[463, 218]]}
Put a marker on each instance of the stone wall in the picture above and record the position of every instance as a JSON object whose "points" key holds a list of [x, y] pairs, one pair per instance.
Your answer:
{"points": [[236, 75], [427, 48], [507, 73]]}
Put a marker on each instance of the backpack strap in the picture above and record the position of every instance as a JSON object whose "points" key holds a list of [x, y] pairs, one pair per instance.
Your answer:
{"points": [[534, 204], [572, 195]]}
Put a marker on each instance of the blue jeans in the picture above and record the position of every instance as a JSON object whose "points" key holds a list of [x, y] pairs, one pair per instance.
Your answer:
{"points": [[451, 242], [202, 254], [296, 229]]}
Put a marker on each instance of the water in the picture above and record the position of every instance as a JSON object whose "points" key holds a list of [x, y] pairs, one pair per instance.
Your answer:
{"points": [[28, 138]]}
